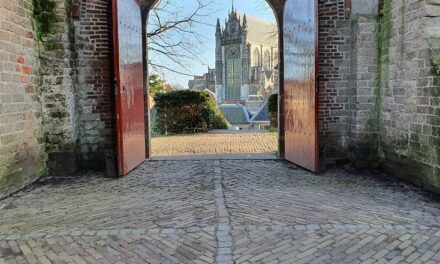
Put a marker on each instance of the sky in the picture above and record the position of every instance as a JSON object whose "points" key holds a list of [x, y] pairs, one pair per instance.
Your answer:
{"points": [[206, 48]]}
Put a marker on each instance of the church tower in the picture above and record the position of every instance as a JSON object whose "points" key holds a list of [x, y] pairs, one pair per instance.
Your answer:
{"points": [[231, 44], [218, 63], [240, 46]]}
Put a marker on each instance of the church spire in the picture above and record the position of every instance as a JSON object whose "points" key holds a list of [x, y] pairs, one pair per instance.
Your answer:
{"points": [[244, 22], [219, 29]]}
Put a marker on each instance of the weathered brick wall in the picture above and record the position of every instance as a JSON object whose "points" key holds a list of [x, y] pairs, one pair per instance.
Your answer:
{"points": [[409, 146], [93, 43], [363, 99], [22, 158], [395, 116], [77, 86], [334, 71], [56, 80], [379, 95]]}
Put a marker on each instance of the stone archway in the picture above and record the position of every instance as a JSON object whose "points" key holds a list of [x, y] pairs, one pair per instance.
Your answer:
{"points": [[277, 7], [59, 115]]}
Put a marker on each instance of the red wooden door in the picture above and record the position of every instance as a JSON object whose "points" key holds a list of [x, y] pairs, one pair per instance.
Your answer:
{"points": [[300, 84], [127, 39]]}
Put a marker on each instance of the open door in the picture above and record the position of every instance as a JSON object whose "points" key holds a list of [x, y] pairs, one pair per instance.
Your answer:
{"points": [[127, 48], [300, 83]]}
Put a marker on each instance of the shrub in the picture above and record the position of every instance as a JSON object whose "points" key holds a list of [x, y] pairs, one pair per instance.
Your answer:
{"points": [[182, 111], [273, 103]]}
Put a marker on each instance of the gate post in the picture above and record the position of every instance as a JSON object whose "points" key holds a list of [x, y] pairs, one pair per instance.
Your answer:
{"points": [[279, 12], [144, 13]]}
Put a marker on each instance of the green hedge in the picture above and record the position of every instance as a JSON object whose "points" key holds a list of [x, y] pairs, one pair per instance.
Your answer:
{"points": [[273, 103], [184, 111]]}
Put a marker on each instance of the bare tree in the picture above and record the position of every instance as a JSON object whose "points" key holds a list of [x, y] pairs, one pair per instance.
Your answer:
{"points": [[172, 35]]}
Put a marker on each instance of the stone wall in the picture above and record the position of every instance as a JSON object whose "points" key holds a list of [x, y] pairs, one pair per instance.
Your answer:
{"points": [[57, 83], [409, 132], [93, 43], [395, 116], [363, 97], [56, 89], [76, 73], [22, 158], [77, 86]]}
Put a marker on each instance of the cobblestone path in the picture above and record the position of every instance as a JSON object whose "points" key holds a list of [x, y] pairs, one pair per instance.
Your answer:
{"points": [[220, 211], [215, 143]]}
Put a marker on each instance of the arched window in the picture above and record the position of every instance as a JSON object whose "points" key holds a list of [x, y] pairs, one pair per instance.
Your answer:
{"points": [[256, 58], [233, 74], [266, 60]]}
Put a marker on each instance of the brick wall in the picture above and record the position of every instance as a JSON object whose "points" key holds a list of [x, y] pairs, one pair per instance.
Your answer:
{"points": [[379, 96], [362, 90], [93, 43], [410, 92], [334, 71], [56, 80], [22, 158], [55, 91], [395, 116]]}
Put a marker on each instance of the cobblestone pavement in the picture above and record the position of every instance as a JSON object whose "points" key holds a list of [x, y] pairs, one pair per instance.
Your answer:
{"points": [[215, 143], [220, 211]]}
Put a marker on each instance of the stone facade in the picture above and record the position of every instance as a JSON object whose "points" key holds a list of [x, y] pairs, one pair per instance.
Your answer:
{"points": [[57, 83], [246, 58], [56, 111], [395, 90], [76, 76], [410, 113], [93, 43]]}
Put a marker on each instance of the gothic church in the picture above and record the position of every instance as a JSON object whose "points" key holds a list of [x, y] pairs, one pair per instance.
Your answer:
{"points": [[246, 58]]}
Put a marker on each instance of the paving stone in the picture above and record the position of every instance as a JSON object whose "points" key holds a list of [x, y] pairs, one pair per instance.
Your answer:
{"points": [[169, 212], [215, 144]]}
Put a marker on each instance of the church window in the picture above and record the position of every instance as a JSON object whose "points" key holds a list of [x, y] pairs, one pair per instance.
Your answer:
{"points": [[233, 74], [255, 64], [256, 58], [266, 60]]}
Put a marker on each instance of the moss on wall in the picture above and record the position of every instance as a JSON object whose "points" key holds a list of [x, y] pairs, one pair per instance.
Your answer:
{"points": [[405, 153], [44, 17], [383, 36], [436, 62], [21, 174], [434, 45]]}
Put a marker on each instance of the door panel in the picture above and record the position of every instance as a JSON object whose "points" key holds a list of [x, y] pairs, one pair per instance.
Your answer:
{"points": [[300, 85], [130, 124]]}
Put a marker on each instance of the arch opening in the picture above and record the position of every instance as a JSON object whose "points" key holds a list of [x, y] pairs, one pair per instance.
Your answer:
{"points": [[237, 78]]}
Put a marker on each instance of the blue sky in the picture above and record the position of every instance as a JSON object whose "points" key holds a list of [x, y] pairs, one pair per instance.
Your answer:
{"points": [[206, 48]]}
